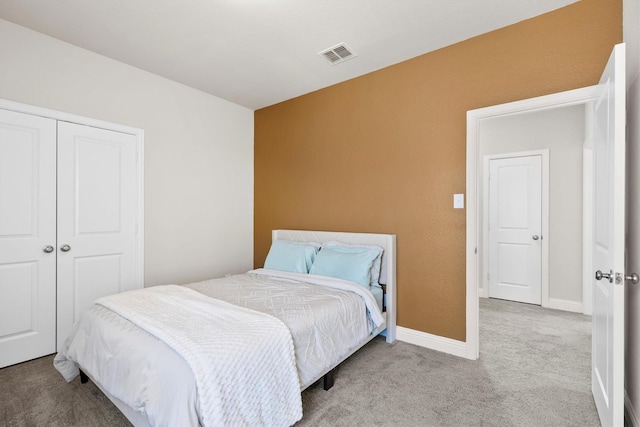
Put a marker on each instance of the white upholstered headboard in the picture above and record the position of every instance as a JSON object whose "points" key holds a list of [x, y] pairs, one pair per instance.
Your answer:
{"points": [[388, 263]]}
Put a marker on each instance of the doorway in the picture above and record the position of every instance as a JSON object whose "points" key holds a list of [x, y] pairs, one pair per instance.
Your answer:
{"points": [[478, 123]]}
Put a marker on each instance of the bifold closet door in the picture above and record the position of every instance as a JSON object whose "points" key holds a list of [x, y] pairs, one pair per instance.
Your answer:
{"points": [[98, 193], [27, 237]]}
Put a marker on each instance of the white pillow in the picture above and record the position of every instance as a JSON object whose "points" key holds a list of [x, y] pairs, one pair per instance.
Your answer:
{"points": [[375, 268]]}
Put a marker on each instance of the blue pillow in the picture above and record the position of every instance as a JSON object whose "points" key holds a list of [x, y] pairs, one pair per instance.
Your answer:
{"points": [[295, 257], [377, 263], [347, 263]]}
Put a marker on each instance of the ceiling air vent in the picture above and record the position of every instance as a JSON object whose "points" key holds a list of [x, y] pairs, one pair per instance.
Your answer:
{"points": [[338, 53]]}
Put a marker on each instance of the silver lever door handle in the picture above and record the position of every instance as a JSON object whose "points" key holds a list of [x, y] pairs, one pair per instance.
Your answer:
{"points": [[65, 248], [535, 237], [47, 249], [600, 275]]}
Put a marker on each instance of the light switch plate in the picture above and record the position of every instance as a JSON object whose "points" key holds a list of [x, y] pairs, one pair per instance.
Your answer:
{"points": [[458, 201]]}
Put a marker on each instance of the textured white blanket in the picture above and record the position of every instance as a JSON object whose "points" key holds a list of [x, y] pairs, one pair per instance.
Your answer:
{"points": [[243, 361]]}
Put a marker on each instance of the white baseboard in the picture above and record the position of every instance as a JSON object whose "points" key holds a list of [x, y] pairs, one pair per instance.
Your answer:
{"points": [[554, 303], [566, 305], [483, 293], [631, 419], [433, 342]]}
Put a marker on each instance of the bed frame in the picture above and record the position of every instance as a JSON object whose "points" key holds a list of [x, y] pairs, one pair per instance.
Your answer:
{"points": [[387, 278]]}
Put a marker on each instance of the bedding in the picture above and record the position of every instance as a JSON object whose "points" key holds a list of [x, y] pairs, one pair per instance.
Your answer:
{"points": [[326, 316], [377, 262], [348, 263], [378, 294], [296, 257], [327, 319]]}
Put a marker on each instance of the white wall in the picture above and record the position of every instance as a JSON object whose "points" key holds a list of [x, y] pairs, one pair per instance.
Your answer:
{"points": [[562, 131], [198, 149], [631, 36]]}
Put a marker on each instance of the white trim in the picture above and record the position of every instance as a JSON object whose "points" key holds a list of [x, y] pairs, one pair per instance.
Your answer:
{"points": [[66, 117], [140, 228], [630, 413], [544, 226], [473, 269], [86, 121], [587, 216], [559, 304], [433, 342], [565, 305]]}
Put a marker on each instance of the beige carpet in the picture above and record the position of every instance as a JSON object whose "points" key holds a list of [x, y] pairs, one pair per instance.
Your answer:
{"points": [[534, 370]]}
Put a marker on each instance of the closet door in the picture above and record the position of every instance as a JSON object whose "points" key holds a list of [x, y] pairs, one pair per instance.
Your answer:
{"points": [[98, 193], [27, 237]]}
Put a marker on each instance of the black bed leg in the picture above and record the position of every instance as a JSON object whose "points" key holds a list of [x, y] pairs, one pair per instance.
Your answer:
{"points": [[329, 378], [83, 377]]}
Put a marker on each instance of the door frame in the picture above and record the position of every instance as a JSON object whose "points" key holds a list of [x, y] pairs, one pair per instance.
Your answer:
{"points": [[544, 205], [81, 120], [474, 258]]}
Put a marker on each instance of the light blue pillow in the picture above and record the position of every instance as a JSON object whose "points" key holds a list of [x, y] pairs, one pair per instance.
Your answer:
{"points": [[377, 263], [347, 263], [296, 257]]}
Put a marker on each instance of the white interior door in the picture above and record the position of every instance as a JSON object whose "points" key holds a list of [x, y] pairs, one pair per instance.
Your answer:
{"points": [[608, 242], [27, 237], [515, 224], [97, 218]]}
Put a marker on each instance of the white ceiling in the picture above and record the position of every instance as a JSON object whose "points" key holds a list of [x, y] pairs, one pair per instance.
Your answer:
{"points": [[260, 52]]}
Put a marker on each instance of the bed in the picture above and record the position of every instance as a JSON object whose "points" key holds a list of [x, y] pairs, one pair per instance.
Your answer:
{"points": [[272, 332]]}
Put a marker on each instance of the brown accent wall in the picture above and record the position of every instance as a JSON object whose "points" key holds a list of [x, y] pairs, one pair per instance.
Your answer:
{"points": [[385, 152]]}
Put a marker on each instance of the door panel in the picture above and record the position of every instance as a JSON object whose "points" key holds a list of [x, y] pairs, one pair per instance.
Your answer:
{"points": [[515, 217], [99, 187], [27, 225], [102, 273], [608, 245], [97, 211]]}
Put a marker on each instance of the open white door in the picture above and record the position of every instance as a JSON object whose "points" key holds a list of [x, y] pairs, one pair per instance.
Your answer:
{"points": [[607, 379]]}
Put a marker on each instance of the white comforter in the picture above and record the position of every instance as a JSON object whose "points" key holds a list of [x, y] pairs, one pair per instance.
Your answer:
{"points": [[125, 360]]}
